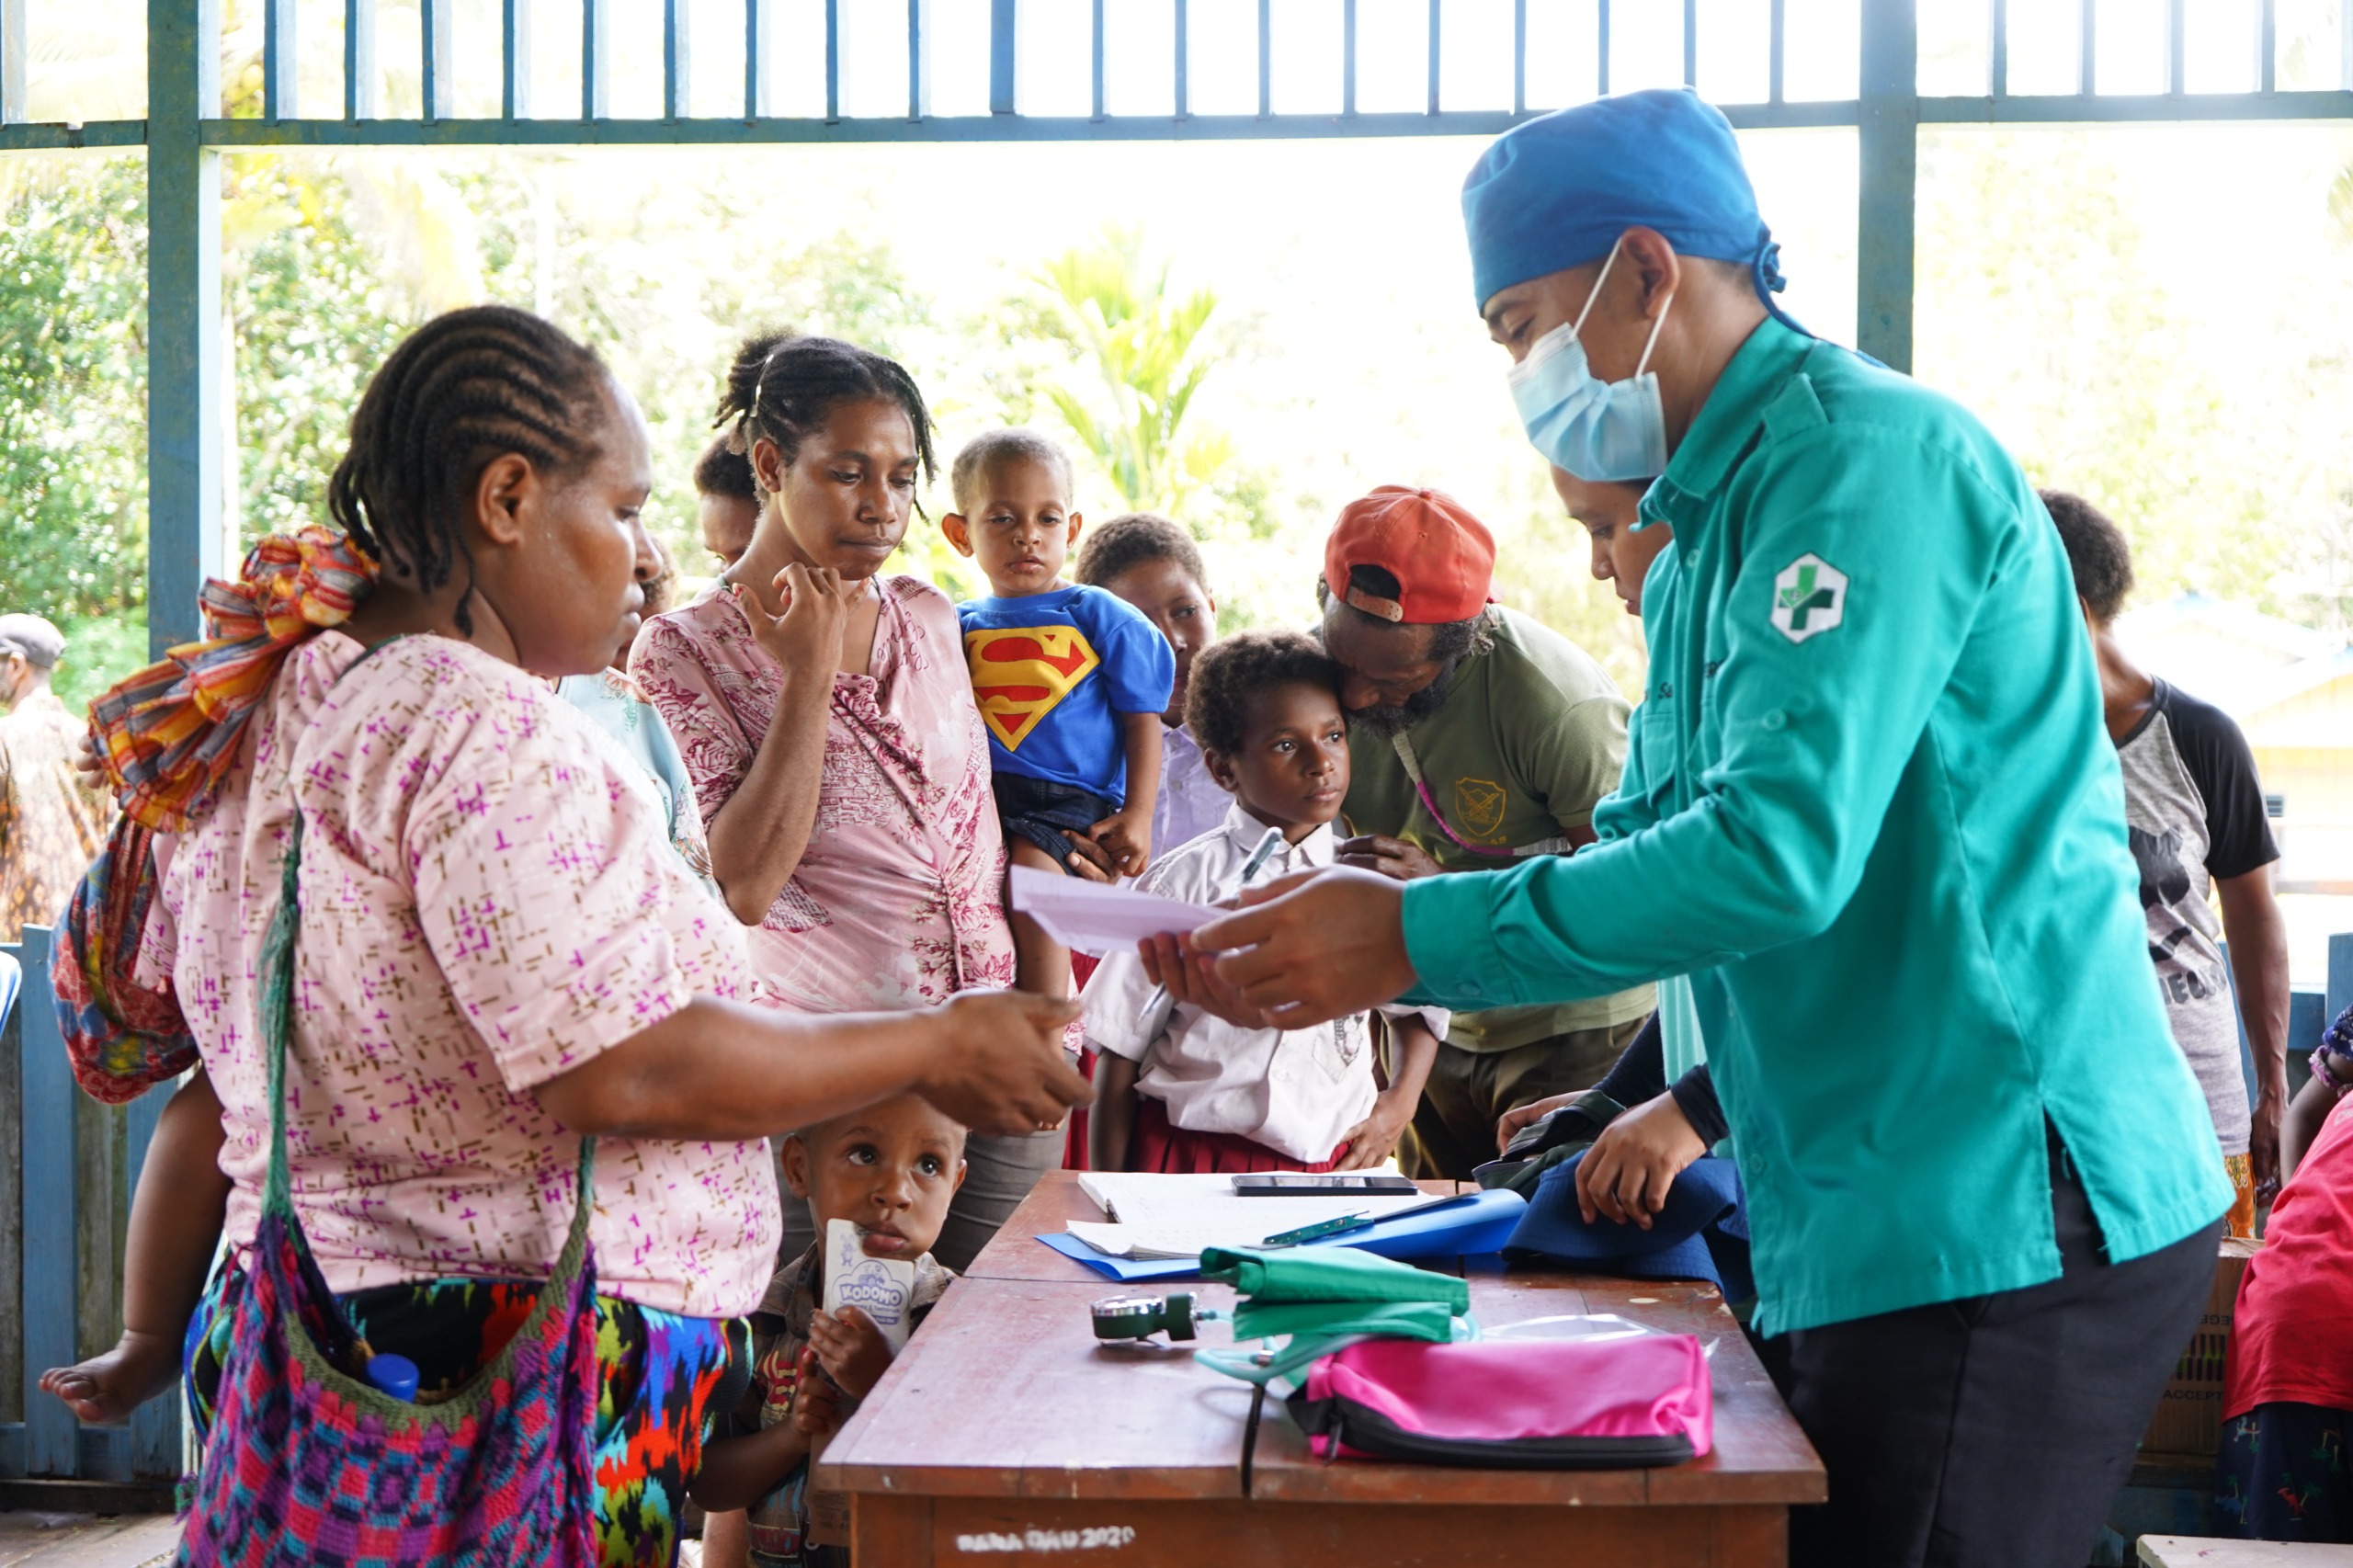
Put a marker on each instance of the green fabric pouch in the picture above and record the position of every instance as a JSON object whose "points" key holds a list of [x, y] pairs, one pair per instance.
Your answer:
{"points": [[1325, 1298], [1333, 1274]]}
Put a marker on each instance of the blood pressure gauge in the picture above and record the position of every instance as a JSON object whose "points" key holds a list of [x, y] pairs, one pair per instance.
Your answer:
{"points": [[1140, 1317]]}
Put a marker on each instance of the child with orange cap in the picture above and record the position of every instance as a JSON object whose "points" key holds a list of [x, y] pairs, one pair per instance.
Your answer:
{"points": [[1479, 739]]}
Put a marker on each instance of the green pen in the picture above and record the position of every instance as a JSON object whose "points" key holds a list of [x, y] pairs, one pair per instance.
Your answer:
{"points": [[1340, 1226]]}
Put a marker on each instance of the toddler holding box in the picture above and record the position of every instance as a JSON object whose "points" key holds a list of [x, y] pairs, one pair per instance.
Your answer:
{"points": [[890, 1171]]}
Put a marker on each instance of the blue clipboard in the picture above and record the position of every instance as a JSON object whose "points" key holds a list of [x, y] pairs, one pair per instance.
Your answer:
{"points": [[1463, 1227]]}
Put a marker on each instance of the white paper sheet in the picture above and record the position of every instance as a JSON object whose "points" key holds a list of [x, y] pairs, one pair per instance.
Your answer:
{"points": [[1091, 917], [1178, 1216]]}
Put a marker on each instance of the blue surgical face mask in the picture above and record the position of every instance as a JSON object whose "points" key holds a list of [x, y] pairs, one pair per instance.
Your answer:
{"points": [[1596, 429]]}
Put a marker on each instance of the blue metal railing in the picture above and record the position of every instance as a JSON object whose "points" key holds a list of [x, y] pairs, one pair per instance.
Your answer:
{"points": [[69, 1203], [360, 122]]}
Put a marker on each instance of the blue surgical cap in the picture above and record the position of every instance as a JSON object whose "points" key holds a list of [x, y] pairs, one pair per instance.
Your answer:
{"points": [[1556, 192]]}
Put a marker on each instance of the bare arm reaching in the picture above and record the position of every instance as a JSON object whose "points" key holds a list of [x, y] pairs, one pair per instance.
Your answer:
{"points": [[174, 1223], [2257, 934], [991, 1059], [758, 836]]}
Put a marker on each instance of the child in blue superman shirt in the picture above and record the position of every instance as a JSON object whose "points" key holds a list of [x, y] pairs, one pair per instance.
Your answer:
{"points": [[1070, 680]]}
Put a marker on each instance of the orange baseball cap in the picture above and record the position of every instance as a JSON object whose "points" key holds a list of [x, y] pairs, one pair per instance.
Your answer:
{"points": [[1443, 558]]}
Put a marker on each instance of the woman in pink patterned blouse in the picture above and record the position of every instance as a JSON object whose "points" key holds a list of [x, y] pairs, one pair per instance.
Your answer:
{"points": [[840, 760], [498, 953]]}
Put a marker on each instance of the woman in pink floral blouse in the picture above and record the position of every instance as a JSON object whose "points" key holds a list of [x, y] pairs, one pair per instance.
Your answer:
{"points": [[840, 760], [498, 953]]}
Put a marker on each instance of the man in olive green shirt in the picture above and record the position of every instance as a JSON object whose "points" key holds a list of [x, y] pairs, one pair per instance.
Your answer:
{"points": [[1872, 811], [1477, 738]]}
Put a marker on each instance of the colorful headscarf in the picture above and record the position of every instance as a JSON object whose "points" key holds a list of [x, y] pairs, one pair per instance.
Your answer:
{"points": [[121, 1038], [169, 734]]}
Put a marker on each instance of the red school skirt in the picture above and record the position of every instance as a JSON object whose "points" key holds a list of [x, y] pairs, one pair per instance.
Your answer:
{"points": [[1082, 968], [1175, 1151]]}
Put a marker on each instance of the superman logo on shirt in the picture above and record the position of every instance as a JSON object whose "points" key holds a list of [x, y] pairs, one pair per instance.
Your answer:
{"points": [[1020, 674]]}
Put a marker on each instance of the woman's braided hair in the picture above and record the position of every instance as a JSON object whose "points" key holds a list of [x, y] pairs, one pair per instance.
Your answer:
{"points": [[460, 391], [783, 386]]}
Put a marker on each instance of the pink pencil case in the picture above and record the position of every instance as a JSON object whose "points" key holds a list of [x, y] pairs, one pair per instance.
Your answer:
{"points": [[1618, 1403]]}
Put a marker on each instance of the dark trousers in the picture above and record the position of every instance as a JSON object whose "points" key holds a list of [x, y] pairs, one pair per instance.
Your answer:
{"points": [[1993, 1432]]}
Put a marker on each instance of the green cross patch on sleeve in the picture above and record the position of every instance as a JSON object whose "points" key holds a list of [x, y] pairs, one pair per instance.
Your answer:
{"points": [[1809, 597]]}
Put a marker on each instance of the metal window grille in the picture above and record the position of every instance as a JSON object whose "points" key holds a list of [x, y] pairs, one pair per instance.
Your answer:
{"points": [[185, 133]]}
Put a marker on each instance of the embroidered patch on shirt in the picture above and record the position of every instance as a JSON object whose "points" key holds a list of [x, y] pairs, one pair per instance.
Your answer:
{"points": [[1479, 804], [1809, 597], [1019, 676]]}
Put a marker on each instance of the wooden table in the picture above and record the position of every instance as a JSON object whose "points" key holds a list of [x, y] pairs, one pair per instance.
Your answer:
{"points": [[2203, 1551], [1005, 1434]]}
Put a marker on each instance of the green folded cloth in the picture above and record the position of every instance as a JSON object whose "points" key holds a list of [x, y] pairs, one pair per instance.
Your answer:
{"points": [[1354, 1319], [1330, 1274], [1324, 1298]]}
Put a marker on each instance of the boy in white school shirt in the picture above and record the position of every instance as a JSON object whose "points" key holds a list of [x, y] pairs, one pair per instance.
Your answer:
{"points": [[1178, 1089]]}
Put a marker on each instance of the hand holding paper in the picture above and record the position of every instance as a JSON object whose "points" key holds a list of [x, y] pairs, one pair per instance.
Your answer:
{"points": [[1087, 918], [1311, 947]]}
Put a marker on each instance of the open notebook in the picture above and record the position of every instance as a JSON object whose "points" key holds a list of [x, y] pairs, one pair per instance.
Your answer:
{"points": [[1150, 1216]]}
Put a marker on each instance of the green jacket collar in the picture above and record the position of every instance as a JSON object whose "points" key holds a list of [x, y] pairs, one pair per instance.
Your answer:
{"points": [[1752, 381]]}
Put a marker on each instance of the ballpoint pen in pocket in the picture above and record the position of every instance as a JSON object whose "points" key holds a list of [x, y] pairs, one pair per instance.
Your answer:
{"points": [[1268, 842]]}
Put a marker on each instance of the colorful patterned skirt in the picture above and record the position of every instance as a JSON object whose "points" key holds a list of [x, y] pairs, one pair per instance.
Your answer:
{"points": [[2283, 1475], [664, 1377]]}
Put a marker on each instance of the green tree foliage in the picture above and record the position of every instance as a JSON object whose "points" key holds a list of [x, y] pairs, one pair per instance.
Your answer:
{"points": [[2044, 305], [73, 392], [311, 319], [2036, 310], [1141, 357], [1099, 343], [74, 413]]}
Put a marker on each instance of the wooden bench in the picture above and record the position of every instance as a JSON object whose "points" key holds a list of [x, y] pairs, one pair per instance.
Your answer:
{"points": [[1005, 1434]]}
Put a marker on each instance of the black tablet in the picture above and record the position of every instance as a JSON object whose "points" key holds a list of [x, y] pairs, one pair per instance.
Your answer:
{"points": [[1310, 1184]]}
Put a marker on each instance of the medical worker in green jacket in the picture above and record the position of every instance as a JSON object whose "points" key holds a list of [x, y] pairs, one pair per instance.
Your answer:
{"points": [[1878, 821]]}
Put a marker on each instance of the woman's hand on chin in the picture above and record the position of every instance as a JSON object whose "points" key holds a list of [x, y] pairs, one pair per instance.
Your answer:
{"points": [[815, 605]]}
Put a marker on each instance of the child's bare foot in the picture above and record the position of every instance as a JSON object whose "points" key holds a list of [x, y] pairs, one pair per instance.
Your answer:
{"points": [[106, 1389]]}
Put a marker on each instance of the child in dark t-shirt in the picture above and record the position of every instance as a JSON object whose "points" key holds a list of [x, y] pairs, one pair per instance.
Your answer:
{"points": [[1070, 680], [2193, 808]]}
